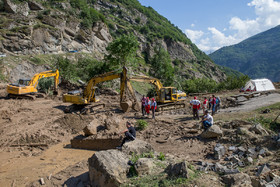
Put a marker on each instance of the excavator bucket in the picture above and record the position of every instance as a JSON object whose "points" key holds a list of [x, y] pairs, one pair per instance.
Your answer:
{"points": [[126, 106]]}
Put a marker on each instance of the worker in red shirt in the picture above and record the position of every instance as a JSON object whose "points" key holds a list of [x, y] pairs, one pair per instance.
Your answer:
{"points": [[213, 104], [195, 105]]}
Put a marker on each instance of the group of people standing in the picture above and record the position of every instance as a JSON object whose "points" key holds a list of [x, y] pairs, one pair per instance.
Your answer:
{"points": [[212, 104], [148, 105], [207, 120]]}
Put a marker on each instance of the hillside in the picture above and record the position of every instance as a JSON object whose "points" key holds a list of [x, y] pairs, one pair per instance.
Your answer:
{"points": [[36, 32], [257, 56]]}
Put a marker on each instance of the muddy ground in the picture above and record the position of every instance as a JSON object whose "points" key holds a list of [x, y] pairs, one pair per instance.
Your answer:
{"points": [[35, 137]]}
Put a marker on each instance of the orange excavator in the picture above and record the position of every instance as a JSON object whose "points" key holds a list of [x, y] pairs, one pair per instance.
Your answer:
{"points": [[27, 88]]}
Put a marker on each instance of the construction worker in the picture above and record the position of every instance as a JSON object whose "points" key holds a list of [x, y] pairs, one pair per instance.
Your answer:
{"points": [[204, 104], [213, 104], [148, 106], [143, 101], [153, 107], [209, 102], [207, 120], [218, 103], [195, 105], [130, 134]]}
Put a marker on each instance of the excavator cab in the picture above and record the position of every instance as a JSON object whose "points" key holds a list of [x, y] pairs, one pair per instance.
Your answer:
{"points": [[23, 82], [171, 94]]}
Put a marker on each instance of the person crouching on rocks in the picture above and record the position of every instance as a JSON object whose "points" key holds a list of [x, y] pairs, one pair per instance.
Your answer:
{"points": [[207, 120], [130, 134]]}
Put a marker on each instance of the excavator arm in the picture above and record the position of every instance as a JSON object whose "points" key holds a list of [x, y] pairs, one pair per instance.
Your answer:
{"points": [[89, 92], [168, 98], [154, 81], [88, 95], [35, 80]]}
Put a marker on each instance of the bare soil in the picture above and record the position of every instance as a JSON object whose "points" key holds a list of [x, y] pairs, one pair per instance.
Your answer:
{"points": [[35, 137]]}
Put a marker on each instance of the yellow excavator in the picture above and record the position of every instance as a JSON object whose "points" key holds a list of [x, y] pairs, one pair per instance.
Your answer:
{"points": [[27, 88], [88, 96], [167, 98]]}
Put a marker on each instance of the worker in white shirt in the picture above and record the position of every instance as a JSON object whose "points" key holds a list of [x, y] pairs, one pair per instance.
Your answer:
{"points": [[207, 120]]}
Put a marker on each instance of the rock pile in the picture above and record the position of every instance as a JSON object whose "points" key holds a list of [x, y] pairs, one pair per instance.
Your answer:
{"points": [[238, 157], [112, 167]]}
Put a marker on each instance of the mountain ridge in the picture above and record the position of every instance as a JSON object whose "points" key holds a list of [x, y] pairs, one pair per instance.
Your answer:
{"points": [[257, 56], [38, 27]]}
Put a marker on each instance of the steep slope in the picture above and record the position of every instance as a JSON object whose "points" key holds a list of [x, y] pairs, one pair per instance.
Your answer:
{"points": [[37, 27], [257, 56]]}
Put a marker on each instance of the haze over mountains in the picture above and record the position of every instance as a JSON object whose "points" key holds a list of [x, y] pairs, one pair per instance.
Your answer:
{"points": [[257, 56]]}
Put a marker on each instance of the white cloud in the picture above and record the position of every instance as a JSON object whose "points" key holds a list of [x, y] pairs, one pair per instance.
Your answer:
{"points": [[192, 25], [194, 35], [267, 16]]}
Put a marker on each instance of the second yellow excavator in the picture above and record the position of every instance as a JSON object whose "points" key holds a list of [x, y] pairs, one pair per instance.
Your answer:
{"points": [[27, 88], [168, 98], [88, 96]]}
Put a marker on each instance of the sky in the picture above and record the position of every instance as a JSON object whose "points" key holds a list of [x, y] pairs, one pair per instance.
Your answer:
{"points": [[212, 24]]}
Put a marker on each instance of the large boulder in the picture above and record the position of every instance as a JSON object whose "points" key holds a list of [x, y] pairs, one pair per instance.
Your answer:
{"points": [[23, 9], [137, 147], [115, 123], [33, 5], [178, 170], [10, 7], [91, 128], [144, 166], [237, 180], [212, 132], [108, 168]]}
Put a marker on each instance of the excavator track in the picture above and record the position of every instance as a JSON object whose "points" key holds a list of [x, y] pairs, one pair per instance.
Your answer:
{"points": [[26, 96], [170, 106], [83, 109]]}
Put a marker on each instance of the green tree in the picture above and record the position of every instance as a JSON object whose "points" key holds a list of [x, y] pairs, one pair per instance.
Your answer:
{"points": [[162, 67], [121, 49]]}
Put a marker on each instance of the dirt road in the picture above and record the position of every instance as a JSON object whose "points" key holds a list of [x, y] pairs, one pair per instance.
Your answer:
{"points": [[254, 103]]}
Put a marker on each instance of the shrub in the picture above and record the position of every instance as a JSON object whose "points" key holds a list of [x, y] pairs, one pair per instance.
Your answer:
{"points": [[209, 85], [161, 156], [142, 124], [88, 14], [45, 84], [66, 68]]}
